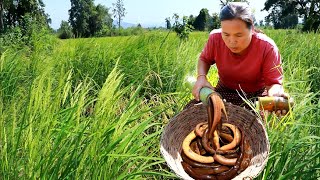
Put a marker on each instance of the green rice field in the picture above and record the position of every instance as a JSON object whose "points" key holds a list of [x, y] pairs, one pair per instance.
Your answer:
{"points": [[95, 108]]}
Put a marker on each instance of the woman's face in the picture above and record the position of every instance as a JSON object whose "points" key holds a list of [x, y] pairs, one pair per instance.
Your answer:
{"points": [[236, 35]]}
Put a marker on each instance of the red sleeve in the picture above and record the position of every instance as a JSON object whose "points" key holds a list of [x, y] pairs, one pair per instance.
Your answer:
{"points": [[272, 68], [207, 54]]}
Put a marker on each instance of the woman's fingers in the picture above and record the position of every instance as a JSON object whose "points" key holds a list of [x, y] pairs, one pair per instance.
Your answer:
{"points": [[195, 93], [284, 112], [201, 82], [278, 113]]}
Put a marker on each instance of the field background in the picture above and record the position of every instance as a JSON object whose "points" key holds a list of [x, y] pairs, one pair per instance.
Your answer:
{"points": [[95, 108]]}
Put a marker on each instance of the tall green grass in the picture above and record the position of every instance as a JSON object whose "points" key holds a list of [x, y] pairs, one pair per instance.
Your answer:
{"points": [[50, 132], [95, 108], [295, 143]]}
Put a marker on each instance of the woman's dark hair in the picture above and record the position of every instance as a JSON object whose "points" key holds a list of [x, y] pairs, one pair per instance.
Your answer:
{"points": [[237, 10]]}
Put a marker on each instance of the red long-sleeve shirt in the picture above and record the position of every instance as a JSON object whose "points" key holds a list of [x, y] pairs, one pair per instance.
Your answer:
{"points": [[257, 67]]}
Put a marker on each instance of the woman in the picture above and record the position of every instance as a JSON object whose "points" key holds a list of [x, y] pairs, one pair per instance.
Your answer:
{"points": [[248, 62]]}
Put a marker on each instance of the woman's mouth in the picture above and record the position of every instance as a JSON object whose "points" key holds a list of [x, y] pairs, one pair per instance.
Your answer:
{"points": [[233, 48]]}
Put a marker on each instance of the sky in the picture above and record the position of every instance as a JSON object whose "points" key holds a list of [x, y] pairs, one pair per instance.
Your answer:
{"points": [[148, 12]]}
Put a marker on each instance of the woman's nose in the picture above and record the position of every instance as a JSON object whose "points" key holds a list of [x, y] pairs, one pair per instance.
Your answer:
{"points": [[233, 41]]}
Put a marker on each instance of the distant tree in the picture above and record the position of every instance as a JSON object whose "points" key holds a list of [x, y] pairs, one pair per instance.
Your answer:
{"points": [[267, 22], [119, 11], [2, 9], [13, 13], [191, 20], [261, 23], [99, 18], [87, 20], [290, 21], [79, 17], [65, 30], [183, 29], [281, 20], [214, 22], [168, 23], [201, 20], [286, 11]]}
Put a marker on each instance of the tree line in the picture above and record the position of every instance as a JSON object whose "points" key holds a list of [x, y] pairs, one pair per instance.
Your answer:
{"points": [[283, 14], [19, 13], [87, 19], [204, 21]]}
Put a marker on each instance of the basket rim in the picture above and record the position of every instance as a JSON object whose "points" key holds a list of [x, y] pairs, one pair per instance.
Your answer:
{"points": [[173, 159]]}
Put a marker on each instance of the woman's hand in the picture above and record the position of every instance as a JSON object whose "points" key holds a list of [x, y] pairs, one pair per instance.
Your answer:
{"points": [[278, 91], [201, 82]]}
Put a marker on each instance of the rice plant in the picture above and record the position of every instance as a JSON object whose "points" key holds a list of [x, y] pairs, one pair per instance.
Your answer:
{"points": [[95, 108]]}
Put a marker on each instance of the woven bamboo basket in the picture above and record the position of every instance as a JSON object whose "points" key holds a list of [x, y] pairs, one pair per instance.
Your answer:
{"points": [[183, 123]]}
